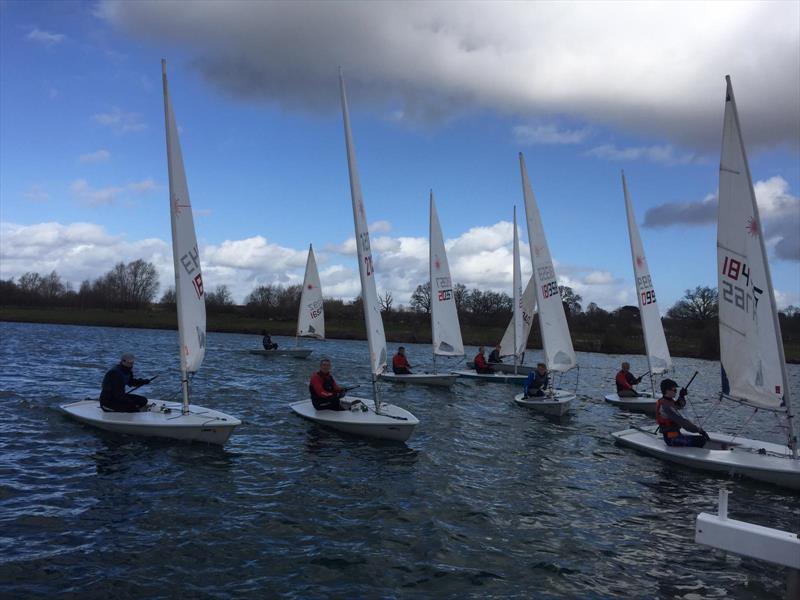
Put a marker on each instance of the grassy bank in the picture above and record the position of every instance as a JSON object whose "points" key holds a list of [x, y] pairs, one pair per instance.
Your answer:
{"points": [[400, 327]]}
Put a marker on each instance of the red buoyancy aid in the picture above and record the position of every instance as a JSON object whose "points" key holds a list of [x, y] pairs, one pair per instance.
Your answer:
{"points": [[667, 426], [480, 362], [399, 361]]}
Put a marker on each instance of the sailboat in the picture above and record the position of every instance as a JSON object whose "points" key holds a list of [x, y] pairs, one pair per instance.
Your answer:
{"points": [[311, 314], [445, 329], [518, 338], [655, 344], [507, 347], [751, 347], [182, 421], [381, 420], [558, 352]]}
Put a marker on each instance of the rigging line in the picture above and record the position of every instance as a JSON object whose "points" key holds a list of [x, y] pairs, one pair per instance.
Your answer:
{"points": [[744, 424], [714, 407]]}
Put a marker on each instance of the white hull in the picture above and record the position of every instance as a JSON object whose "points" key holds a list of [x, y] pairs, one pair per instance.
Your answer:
{"points": [[164, 419], [292, 352], [644, 403], [723, 454], [508, 368], [393, 422], [442, 379], [492, 377], [558, 404]]}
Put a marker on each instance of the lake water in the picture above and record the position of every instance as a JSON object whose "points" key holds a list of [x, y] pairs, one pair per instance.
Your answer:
{"points": [[485, 500]]}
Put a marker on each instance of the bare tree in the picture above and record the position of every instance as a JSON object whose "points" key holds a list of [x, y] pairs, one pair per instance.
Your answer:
{"points": [[141, 280], [571, 300], [385, 301], [220, 298], [421, 298], [699, 304]]}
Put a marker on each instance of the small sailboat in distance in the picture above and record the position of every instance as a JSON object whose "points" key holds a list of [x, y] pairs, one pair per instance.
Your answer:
{"points": [[753, 365], [381, 420], [655, 343], [310, 316], [517, 326], [559, 354], [182, 421], [445, 329]]}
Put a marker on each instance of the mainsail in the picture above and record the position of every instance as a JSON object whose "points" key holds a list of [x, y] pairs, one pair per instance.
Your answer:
{"points": [[186, 257], [445, 327], [527, 310], [376, 337], [655, 343], [751, 350], [558, 351], [516, 298], [311, 319]]}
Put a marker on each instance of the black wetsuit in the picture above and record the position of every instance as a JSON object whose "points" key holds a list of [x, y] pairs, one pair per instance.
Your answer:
{"points": [[113, 396]]}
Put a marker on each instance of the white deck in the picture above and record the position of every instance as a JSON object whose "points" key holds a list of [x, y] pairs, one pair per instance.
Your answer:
{"points": [[392, 423], [762, 461], [558, 404], [491, 377], [644, 403], [163, 419], [442, 379]]}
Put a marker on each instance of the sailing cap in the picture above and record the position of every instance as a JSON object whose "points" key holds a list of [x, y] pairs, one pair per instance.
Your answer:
{"points": [[668, 384], [127, 357]]}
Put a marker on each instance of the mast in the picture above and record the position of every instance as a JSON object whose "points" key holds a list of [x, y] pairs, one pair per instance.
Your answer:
{"points": [[168, 121], [430, 279], [376, 338], [517, 292], [792, 438]]}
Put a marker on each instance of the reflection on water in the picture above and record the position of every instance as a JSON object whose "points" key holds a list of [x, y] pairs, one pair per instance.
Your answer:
{"points": [[486, 499]]}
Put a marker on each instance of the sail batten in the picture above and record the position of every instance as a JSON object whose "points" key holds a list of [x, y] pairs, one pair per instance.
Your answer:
{"points": [[445, 327], [558, 351], [655, 343], [751, 347], [311, 317], [376, 338], [189, 293]]}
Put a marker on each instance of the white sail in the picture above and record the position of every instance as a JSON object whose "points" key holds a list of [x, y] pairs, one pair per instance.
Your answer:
{"points": [[751, 350], [311, 319], [516, 297], [655, 342], [558, 351], [445, 328], [376, 337], [189, 294], [527, 310]]}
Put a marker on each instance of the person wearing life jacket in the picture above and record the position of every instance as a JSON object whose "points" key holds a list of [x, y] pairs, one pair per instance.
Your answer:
{"points": [[494, 355], [113, 397], [536, 383], [670, 420], [400, 365], [325, 392], [267, 342], [625, 381], [481, 365]]}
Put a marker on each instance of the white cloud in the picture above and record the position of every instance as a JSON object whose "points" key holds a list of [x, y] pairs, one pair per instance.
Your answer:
{"points": [[380, 227], [548, 134], [95, 157], [94, 197], [120, 122], [663, 155], [45, 37], [532, 59], [144, 186], [36, 193]]}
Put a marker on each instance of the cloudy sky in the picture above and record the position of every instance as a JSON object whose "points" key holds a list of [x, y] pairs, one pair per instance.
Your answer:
{"points": [[442, 95]]}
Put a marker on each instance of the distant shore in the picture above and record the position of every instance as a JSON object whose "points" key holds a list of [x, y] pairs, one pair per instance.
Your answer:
{"points": [[400, 328]]}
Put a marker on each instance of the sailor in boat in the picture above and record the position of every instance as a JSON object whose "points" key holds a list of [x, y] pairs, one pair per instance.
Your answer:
{"points": [[536, 383], [326, 394], [494, 356], [400, 364], [481, 366], [112, 395], [267, 341], [670, 420], [625, 381]]}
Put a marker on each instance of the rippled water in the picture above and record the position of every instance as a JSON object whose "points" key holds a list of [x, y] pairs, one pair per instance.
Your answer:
{"points": [[485, 500]]}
